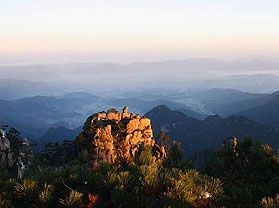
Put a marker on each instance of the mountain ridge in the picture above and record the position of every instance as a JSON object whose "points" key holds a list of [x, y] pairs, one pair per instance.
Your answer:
{"points": [[196, 135]]}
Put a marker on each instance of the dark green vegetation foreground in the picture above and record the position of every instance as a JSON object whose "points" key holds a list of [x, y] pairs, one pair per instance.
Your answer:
{"points": [[235, 177]]}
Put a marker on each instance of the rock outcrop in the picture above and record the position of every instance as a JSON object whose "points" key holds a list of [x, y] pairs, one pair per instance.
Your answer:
{"points": [[6, 159], [26, 153], [112, 135], [15, 156]]}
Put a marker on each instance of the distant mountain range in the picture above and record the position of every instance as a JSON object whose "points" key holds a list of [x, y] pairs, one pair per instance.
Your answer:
{"points": [[60, 134], [33, 116], [192, 73], [201, 132], [41, 117], [142, 106], [175, 67], [263, 108], [196, 135], [192, 114], [16, 88], [228, 101], [216, 97], [268, 113]]}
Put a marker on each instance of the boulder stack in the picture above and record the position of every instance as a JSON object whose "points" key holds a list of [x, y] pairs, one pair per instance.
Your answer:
{"points": [[113, 135]]}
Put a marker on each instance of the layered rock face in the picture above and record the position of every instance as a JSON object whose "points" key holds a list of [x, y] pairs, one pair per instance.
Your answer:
{"points": [[112, 135]]}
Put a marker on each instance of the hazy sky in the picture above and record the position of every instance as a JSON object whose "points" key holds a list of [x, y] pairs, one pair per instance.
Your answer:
{"points": [[81, 30]]}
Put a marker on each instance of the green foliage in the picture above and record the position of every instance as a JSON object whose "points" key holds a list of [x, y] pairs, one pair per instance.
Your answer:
{"points": [[193, 189], [25, 192], [248, 174], [46, 194], [175, 157], [73, 200], [25, 188], [55, 154], [235, 177], [80, 141], [164, 140], [146, 157], [142, 183], [269, 202], [4, 202], [147, 168]]}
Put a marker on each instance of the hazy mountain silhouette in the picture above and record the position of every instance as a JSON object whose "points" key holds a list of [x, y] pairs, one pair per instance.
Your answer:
{"points": [[267, 113], [59, 134], [196, 135]]}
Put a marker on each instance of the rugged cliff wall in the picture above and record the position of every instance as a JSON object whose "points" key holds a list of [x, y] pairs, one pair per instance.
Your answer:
{"points": [[112, 135]]}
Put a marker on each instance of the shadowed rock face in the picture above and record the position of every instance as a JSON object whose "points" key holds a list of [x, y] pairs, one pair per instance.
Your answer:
{"points": [[6, 159], [12, 152], [112, 135], [26, 153]]}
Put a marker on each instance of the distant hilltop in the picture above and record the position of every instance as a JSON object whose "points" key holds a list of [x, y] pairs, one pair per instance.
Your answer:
{"points": [[111, 136]]}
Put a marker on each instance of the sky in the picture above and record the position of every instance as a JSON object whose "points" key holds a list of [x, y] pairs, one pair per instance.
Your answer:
{"points": [[123, 30]]}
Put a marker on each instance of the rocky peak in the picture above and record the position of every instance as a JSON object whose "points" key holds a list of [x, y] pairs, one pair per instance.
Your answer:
{"points": [[112, 135]]}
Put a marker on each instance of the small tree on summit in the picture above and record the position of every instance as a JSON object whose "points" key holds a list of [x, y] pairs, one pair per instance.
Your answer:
{"points": [[164, 140]]}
